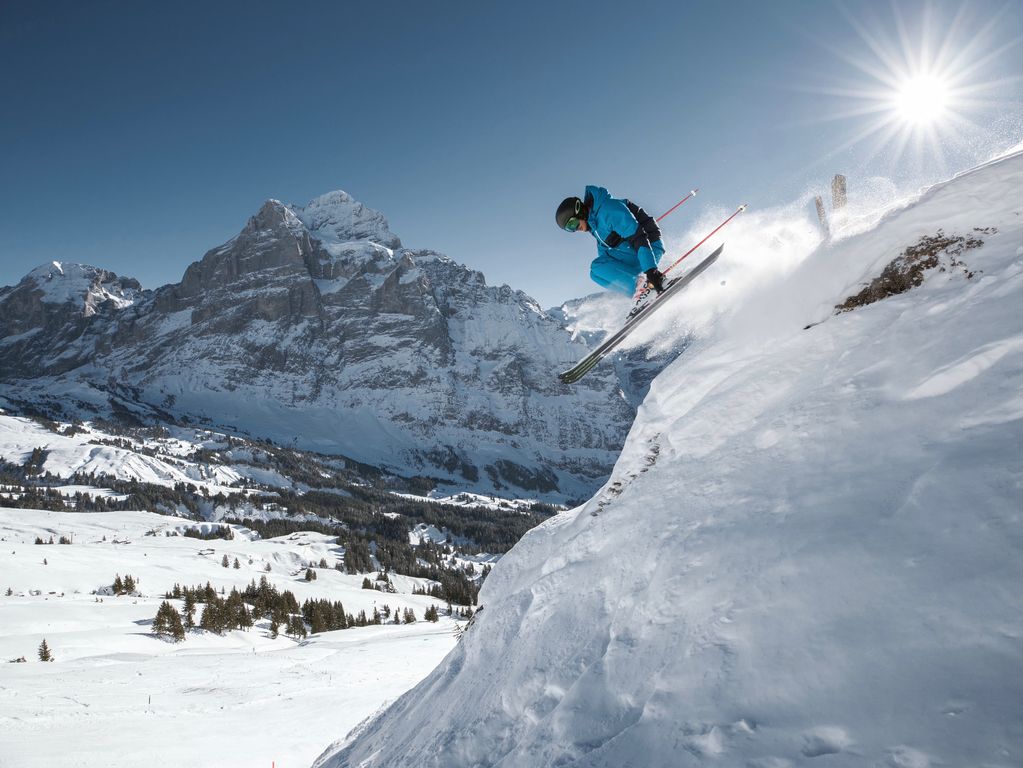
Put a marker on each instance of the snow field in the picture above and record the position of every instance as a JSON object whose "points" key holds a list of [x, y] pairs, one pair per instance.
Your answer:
{"points": [[118, 696]]}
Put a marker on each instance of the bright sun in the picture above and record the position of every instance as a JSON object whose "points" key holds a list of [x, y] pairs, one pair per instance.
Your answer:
{"points": [[922, 100], [922, 83]]}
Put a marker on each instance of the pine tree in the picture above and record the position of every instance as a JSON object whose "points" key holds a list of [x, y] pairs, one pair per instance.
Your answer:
{"points": [[211, 616], [168, 622], [432, 614], [310, 574], [160, 620], [237, 565], [118, 586], [225, 561], [189, 609], [44, 651]]}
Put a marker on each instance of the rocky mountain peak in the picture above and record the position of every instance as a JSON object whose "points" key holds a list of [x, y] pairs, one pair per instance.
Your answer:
{"points": [[273, 244], [52, 305], [271, 217], [80, 284], [336, 217]]}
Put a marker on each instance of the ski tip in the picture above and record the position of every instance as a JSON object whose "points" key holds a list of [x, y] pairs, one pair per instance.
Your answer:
{"points": [[744, 206]]}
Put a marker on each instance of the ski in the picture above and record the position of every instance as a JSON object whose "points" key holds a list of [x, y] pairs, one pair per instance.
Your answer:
{"points": [[585, 365]]}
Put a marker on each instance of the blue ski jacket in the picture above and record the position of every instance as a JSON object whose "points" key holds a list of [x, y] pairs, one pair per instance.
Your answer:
{"points": [[622, 252]]}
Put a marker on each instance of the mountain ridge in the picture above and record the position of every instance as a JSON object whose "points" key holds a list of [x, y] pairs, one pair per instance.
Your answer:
{"points": [[313, 326]]}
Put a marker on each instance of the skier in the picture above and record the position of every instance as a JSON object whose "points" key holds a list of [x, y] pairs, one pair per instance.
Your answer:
{"points": [[628, 240]]}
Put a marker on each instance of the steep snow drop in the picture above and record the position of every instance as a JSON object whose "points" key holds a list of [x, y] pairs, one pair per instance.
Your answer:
{"points": [[809, 553]]}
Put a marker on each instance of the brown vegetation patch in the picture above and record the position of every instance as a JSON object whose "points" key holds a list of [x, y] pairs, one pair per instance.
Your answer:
{"points": [[908, 270]]}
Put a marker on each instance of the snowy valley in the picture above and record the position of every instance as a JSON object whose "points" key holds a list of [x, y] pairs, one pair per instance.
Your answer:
{"points": [[238, 515]]}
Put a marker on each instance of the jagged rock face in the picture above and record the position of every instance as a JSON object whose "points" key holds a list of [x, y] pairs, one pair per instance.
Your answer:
{"points": [[43, 318], [313, 326]]}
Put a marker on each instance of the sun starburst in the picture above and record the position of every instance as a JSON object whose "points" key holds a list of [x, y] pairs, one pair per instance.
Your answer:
{"points": [[921, 86]]}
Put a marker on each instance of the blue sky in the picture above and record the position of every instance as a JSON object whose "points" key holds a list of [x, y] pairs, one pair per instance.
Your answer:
{"points": [[137, 135]]}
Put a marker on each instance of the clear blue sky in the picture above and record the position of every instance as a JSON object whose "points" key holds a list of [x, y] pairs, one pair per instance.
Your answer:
{"points": [[137, 135]]}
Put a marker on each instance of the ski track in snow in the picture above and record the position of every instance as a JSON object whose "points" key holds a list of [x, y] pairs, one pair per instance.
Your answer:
{"points": [[809, 551]]}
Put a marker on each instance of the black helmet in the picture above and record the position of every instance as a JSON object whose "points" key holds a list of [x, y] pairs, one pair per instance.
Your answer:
{"points": [[570, 208]]}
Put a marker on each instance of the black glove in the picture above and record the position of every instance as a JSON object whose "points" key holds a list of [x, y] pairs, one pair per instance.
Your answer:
{"points": [[655, 279]]}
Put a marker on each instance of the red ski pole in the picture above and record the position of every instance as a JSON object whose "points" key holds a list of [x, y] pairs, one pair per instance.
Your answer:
{"points": [[676, 205], [739, 210]]}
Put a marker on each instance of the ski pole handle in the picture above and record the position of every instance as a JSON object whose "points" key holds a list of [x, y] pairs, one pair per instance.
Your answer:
{"points": [[676, 205]]}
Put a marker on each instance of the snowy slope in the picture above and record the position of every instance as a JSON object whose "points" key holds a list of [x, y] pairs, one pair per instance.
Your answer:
{"points": [[70, 454], [811, 549], [117, 696]]}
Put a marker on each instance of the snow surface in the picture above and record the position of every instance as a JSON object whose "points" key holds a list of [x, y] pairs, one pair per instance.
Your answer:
{"points": [[117, 696], [811, 549]]}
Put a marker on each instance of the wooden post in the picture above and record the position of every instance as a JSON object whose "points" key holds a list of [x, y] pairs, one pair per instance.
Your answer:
{"points": [[822, 215], [838, 196]]}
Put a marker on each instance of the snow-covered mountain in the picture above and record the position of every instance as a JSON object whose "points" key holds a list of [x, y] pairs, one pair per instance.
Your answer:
{"points": [[811, 549], [314, 327]]}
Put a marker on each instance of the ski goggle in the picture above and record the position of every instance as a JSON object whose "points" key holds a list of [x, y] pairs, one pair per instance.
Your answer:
{"points": [[573, 223]]}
